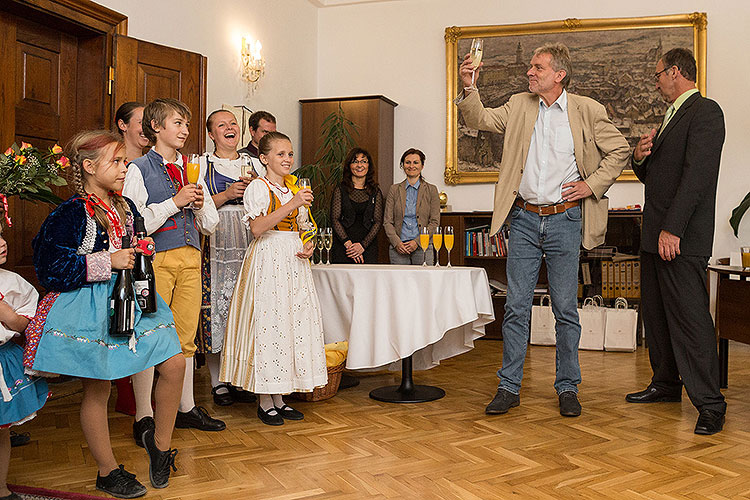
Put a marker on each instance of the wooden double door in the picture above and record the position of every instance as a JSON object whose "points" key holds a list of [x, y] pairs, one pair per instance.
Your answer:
{"points": [[67, 66]]}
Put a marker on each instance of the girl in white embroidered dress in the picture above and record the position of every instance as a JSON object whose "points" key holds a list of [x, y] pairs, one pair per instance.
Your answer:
{"points": [[274, 337]]}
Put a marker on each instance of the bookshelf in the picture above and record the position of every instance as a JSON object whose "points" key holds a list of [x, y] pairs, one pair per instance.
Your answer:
{"points": [[623, 232]]}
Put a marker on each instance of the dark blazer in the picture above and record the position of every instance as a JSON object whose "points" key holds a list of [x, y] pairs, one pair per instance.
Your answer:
{"points": [[680, 177]]}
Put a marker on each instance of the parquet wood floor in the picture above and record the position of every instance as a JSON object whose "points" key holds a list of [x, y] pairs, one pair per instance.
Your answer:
{"points": [[353, 447]]}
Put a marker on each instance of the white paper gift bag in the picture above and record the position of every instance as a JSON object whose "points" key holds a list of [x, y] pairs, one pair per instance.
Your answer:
{"points": [[593, 319], [622, 325], [543, 323]]}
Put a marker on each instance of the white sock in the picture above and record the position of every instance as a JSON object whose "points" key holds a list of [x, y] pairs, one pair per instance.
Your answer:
{"points": [[213, 361], [187, 402], [143, 385], [266, 403]]}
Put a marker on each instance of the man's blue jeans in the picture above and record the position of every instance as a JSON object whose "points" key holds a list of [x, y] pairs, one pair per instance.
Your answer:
{"points": [[558, 238]]}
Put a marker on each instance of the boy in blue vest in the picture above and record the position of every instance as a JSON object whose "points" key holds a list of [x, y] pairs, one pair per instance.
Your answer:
{"points": [[157, 183]]}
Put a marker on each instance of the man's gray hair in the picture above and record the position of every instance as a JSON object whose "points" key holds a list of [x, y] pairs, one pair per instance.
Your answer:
{"points": [[560, 59]]}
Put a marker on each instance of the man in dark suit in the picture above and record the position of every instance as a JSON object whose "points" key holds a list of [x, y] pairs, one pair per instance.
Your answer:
{"points": [[679, 166]]}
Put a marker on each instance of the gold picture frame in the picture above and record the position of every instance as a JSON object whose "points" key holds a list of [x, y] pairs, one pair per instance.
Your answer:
{"points": [[565, 30]]}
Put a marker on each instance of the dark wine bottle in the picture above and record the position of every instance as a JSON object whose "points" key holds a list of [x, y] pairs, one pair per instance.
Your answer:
{"points": [[122, 304], [143, 272]]}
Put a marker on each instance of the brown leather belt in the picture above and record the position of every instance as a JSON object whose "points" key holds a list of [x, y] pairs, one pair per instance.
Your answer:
{"points": [[546, 209]]}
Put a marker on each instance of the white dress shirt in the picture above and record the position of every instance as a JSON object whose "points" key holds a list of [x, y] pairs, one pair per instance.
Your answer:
{"points": [[551, 160], [156, 214]]}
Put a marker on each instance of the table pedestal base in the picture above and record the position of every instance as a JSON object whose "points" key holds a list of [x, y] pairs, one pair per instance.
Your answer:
{"points": [[407, 392]]}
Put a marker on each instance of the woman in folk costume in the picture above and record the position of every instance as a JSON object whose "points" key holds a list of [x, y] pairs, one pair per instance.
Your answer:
{"points": [[227, 174], [21, 396], [274, 337], [78, 248]]}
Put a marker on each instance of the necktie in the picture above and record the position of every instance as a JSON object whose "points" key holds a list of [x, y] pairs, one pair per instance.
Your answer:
{"points": [[667, 117]]}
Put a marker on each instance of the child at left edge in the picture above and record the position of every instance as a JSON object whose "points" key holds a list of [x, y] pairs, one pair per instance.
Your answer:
{"points": [[22, 396]]}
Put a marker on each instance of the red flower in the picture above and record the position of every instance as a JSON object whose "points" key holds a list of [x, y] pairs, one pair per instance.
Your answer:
{"points": [[21, 160], [8, 152], [63, 162], [25, 145], [56, 149]]}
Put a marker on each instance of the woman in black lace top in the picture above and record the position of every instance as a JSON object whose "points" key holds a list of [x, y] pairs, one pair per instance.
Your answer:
{"points": [[356, 211]]}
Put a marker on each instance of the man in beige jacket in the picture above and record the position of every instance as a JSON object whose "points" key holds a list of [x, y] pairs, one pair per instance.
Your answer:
{"points": [[561, 153]]}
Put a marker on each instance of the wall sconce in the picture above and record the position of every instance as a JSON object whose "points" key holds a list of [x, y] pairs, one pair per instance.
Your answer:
{"points": [[253, 64]]}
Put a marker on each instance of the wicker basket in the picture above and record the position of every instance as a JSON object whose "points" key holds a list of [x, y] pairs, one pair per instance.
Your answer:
{"points": [[327, 391]]}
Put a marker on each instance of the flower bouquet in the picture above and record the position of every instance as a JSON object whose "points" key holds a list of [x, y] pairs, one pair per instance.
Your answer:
{"points": [[27, 172]]}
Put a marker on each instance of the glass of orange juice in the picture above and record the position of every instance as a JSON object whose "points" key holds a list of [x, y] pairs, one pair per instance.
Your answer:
{"points": [[745, 257], [437, 242], [448, 237], [193, 172], [424, 242]]}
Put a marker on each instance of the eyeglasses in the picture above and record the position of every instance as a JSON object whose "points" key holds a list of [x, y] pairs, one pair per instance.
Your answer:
{"points": [[656, 75], [361, 162]]}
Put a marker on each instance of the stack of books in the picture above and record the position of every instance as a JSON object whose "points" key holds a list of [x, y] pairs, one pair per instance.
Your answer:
{"points": [[479, 242]]}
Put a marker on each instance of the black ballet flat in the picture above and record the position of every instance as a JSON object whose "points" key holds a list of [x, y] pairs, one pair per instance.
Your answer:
{"points": [[268, 419], [289, 413]]}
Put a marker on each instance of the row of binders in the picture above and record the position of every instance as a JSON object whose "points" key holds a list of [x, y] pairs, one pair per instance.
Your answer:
{"points": [[621, 279], [479, 243]]}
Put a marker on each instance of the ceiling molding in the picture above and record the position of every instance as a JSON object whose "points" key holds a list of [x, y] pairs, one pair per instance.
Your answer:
{"points": [[340, 3]]}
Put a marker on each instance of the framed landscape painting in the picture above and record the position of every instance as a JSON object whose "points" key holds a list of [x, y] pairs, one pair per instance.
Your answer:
{"points": [[613, 61]]}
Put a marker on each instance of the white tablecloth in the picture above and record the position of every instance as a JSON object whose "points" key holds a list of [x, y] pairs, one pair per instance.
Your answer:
{"points": [[390, 312]]}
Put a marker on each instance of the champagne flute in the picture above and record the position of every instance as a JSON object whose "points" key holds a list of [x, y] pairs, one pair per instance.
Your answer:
{"points": [[304, 183], [319, 244], [424, 242], [193, 172], [448, 230], [328, 243], [437, 242], [476, 55]]}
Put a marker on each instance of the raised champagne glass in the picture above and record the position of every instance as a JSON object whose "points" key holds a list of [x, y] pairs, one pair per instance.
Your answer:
{"points": [[328, 243], [448, 240], [437, 242], [424, 242], [476, 55], [304, 183], [193, 173]]}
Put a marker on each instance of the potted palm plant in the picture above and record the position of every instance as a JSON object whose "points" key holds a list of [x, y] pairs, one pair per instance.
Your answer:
{"points": [[738, 212], [337, 133]]}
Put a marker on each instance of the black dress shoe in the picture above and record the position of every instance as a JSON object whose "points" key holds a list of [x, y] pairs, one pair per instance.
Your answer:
{"points": [[502, 402], [569, 405], [140, 426], [240, 395], [222, 398], [120, 483], [654, 395], [198, 418], [289, 413], [270, 417], [18, 440], [709, 422]]}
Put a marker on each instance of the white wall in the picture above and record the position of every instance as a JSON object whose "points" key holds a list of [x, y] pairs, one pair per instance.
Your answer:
{"points": [[397, 49], [288, 32]]}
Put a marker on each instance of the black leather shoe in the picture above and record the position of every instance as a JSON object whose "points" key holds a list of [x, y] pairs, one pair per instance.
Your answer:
{"points": [[198, 418], [289, 413], [654, 395], [709, 422], [569, 405], [222, 398], [159, 462], [121, 484], [140, 426], [269, 418], [240, 395], [502, 402], [18, 440]]}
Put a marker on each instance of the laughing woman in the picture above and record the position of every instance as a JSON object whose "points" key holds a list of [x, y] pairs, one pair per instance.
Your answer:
{"points": [[224, 251]]}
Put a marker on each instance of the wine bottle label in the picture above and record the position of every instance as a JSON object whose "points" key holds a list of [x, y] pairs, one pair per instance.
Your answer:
{"points": [[141, 292]]}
